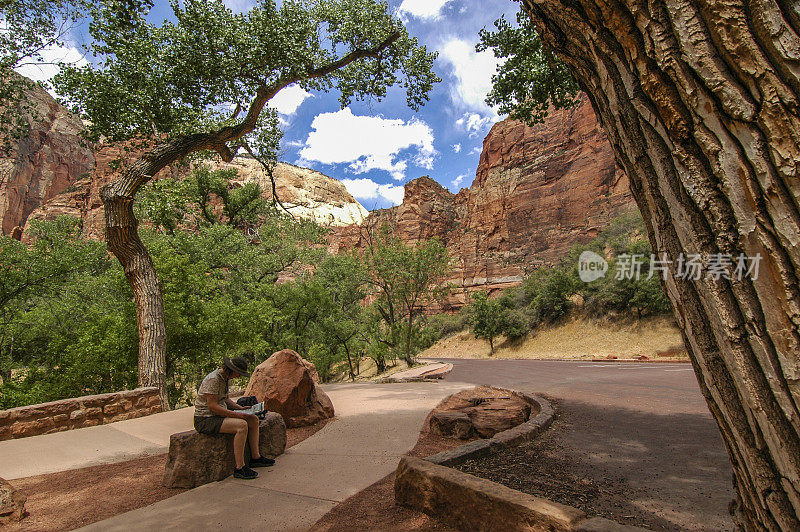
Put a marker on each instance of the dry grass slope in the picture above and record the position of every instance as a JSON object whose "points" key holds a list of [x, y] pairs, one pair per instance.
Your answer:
{"points": [[576, 338]]}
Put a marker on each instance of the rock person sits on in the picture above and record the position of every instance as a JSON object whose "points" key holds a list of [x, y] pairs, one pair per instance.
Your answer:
{"points": [[215, 413]]}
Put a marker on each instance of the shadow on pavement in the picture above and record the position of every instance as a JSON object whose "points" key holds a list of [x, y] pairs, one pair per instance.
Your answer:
{"points": [[663, 471]]}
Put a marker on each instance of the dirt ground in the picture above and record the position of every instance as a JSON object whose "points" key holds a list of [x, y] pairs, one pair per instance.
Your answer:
{"points": [[563, 466], [576, 338], [79, 497]]}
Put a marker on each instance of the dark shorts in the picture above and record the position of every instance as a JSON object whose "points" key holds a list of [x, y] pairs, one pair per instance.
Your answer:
{"points": [[208, 425]]}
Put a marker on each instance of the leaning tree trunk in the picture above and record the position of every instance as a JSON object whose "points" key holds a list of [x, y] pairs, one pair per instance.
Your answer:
{"points": [[699, 99], [123, 240], [122, 226]]}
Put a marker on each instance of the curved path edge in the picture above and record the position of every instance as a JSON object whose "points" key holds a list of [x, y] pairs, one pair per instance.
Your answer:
{"points": [[433, 486]]}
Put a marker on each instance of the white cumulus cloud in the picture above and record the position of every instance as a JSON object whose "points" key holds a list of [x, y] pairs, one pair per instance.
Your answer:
{"points": [[473, 74], [425, 9], [457, 181], [457, 148], [45, 66], [473, 123], [369, 143], [367, 189], [289, 99]]}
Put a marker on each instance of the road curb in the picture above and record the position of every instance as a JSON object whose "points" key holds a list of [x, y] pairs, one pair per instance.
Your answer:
{"points": [[435, 373], [433, 486]]}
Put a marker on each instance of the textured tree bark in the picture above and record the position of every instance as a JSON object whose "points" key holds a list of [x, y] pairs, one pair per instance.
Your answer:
{"points": [[699, 99]]}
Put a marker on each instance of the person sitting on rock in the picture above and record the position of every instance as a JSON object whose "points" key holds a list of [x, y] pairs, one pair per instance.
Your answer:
{"points": [[215, 413]]}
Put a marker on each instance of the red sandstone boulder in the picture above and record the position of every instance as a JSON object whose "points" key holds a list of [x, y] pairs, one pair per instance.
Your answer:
{"points": [[498, 414], [195, 459], [12, 503], [288, 386], [452, 425], [482, 411]]}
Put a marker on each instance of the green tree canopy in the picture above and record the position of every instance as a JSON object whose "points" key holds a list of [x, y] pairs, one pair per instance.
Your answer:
{"points": [[200, 84], [403, 279], [28, 28], [212, 69], [531, 78]]}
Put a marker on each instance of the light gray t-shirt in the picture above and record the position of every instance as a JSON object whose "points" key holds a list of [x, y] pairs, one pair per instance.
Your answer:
{"points": [[216, 384]]}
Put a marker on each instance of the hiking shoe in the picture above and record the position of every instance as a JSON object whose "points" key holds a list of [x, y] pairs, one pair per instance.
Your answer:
{"points": [[245, 473], [261, 462]]}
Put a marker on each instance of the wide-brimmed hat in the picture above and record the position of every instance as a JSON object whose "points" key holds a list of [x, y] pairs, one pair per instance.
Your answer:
{"points": [[237, 365]]}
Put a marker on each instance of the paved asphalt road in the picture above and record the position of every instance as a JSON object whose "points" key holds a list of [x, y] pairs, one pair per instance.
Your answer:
{"points": [[645, 423]]}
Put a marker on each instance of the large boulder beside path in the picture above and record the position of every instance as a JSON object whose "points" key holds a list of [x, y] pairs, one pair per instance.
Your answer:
{"points": [[12, 503], [289, 386], [195, 459], [479, 412]]}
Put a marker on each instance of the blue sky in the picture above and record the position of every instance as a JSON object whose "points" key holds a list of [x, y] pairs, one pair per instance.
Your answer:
{"points": [[377, 147]]}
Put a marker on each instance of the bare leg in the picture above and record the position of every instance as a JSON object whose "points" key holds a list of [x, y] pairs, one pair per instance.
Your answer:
{"points": [[252, 436], [237, 427]]}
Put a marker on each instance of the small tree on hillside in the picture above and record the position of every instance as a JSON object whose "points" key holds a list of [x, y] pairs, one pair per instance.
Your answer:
{"points": [[201, 83], [487, 320], [491, 318]]}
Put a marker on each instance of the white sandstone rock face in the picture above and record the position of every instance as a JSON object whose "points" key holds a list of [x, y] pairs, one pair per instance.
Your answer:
{"points": [[305, 193]]}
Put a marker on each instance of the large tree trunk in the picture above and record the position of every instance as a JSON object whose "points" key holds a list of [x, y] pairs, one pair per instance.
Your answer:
{"points": [[124, 242], [699, 99], [122, 236]]}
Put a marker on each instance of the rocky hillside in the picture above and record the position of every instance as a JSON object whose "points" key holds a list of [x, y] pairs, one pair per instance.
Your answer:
{"points": [[48, 160], [305, 193], [52, 172], [537, 191]]}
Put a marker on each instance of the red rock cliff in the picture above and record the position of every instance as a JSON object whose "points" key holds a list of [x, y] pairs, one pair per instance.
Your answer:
{"points": [[537, 191], [46, 161]]}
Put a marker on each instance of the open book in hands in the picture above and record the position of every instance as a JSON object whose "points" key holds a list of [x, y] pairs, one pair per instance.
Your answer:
{"points": [[256, 409]]}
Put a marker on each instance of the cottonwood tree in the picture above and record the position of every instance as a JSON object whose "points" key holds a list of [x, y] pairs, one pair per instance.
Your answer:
{"points": [[403, 278], [700, 104], [200, 83], [488, 318]]}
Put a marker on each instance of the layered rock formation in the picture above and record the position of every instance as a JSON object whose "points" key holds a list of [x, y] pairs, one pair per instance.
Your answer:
{"points": [[51, 171], [537, 191], [48, 158], [82, 198], [305, 193]]}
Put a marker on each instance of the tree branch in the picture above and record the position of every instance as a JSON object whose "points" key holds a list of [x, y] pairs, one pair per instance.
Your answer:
{"points": [[353, 56]]}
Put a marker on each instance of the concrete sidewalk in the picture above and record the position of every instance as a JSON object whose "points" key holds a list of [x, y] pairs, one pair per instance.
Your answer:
{"points": [[103, 444], [375, 425]]}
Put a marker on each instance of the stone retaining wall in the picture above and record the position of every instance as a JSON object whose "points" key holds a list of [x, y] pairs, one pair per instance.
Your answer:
{"points": [[467, 502], [78, 412]]}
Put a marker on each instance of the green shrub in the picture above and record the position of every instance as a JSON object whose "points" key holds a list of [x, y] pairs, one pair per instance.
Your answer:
{"points": [[447, 324]]}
